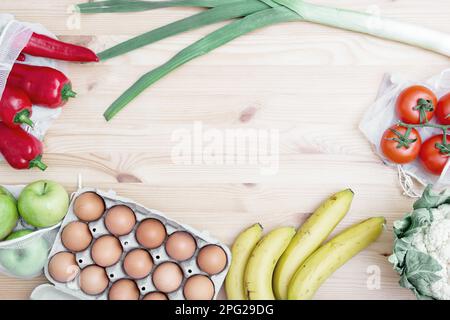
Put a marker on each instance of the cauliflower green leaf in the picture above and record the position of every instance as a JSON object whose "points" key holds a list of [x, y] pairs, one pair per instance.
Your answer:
{"points": [[431, 199]]}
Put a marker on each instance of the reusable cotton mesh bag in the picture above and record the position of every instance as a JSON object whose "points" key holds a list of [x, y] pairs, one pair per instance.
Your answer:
{"points": [[25, 257], [381, 115], [14, 35]]}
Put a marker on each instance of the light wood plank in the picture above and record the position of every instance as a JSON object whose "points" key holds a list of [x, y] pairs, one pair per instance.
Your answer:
{"points": [[309, 82]]}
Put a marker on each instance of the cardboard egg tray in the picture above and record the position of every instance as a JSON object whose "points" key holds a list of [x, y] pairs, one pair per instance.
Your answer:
{"points": [[128, 243]]}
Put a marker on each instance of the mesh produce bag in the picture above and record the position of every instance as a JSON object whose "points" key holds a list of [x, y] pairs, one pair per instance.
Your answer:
{"points": [[381, 115], [26, 256], [14, 35], [13, 38]]}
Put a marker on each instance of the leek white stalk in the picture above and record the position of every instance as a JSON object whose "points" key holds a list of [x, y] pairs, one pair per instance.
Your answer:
{"points": [[374, 25]]}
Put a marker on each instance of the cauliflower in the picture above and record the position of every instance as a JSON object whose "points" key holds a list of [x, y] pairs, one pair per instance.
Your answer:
{"points": [[435, 241], [422, 247]]}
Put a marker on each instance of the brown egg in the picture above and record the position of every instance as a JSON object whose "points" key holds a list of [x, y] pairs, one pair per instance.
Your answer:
{"points": [[63, 267], [167, 277], [76, 236], [124, 289], [93, 280], [198, 287], [181, 246], [89, 206], [155, 296], [151, 233], [138, 263], [212, 259], [106, 251], [120, 220]]}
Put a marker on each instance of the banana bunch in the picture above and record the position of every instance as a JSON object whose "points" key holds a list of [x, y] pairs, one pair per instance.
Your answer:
{"points": [[289, 264]]}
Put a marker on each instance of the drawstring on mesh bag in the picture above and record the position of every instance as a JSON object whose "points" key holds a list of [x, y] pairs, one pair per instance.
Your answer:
{"points": [[407, 183]]}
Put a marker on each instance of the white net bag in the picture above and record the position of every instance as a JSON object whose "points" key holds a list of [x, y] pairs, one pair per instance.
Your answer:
{"points": [[26, 256], [14, 36], [382, 115]]}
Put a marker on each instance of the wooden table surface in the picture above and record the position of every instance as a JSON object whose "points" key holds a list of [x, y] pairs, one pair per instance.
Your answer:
{"points": [[310, 83]]}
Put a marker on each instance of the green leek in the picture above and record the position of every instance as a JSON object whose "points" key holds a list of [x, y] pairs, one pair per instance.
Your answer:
{"points": [[203, 46], [251, 15], [217, 14], [109, 6]]}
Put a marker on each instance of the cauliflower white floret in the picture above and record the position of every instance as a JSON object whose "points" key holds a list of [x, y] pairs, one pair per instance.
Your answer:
{"points": [[435, 241]]}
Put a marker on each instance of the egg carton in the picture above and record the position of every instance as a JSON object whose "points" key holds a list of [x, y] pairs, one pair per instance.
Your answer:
{"points": [[129, 243]]}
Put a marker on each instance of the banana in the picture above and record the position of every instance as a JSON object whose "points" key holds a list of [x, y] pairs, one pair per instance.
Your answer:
{"points": [[261, 264], [241, 251], [328, 258], [308, 238]]}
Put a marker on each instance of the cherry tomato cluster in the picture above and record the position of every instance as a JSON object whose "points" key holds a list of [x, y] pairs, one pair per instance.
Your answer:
{"points": [[416, 106]]}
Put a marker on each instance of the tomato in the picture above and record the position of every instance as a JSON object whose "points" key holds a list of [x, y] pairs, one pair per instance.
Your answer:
{"points": [[416, 105], [443, 110], [433, 159], [398, 147]]}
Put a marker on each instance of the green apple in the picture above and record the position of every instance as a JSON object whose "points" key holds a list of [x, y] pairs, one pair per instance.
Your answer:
{"points": [[43, 203], [28, 259], [8, 213]]}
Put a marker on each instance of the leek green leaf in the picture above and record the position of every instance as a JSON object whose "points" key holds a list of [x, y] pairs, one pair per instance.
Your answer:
{"points": [[136, 6], [217, 14], [203, 46]]}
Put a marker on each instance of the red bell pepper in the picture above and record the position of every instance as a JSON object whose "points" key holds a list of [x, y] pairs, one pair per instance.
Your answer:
{"points": [[21, 57], [15, 107], [43, 46], [45, 86], [20, 149]]}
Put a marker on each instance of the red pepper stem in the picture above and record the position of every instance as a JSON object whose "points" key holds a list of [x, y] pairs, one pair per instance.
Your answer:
{"points": [[67, 92], [24, 117], [37, 163]]}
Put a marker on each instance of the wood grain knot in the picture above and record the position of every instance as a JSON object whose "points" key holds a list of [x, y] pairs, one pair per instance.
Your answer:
{"points": [[249, 184], [127, 178], [91, 86], [247, 114]]}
